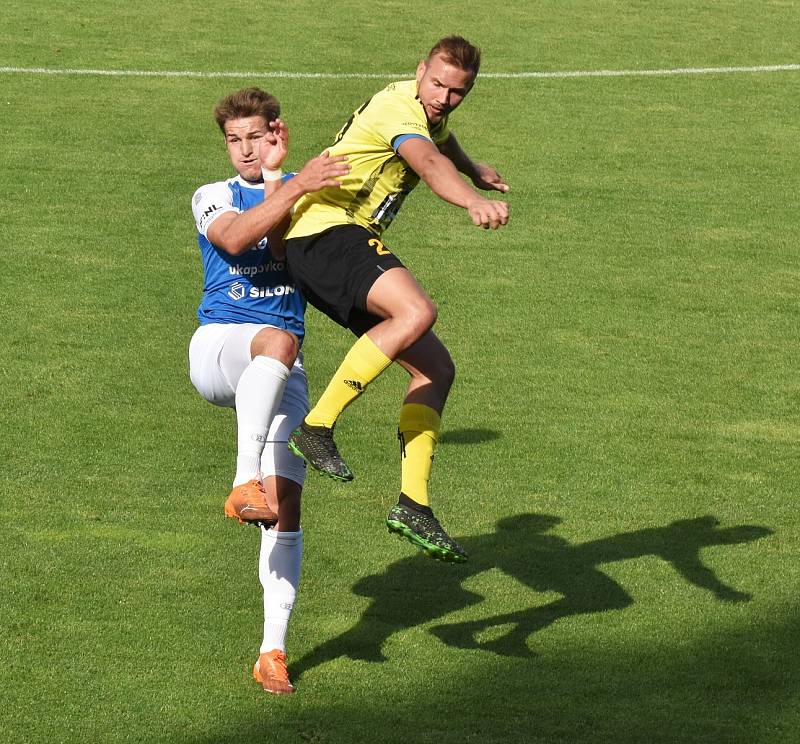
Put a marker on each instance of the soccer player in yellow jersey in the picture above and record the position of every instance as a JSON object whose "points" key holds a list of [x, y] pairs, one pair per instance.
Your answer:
{"points": [[335, 254]]}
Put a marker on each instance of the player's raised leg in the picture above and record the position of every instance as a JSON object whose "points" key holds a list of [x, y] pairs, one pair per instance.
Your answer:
{"points": [[313, 439], [403, 313], [259, 390], [432, 373]]}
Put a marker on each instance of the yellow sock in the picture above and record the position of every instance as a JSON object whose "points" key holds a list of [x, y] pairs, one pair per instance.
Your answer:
{"points": [[418, 433], [363, 363]]}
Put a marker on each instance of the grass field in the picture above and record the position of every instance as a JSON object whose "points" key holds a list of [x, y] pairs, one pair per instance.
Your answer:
{"points": [[621, 448]]}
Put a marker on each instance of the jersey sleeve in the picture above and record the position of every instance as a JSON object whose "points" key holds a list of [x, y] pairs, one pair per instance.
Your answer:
{"points": [[395, 117], [209, 202], [439, 135]]}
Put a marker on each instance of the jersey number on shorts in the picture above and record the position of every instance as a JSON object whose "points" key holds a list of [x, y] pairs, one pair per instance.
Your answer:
{"points": [[379, 247]]}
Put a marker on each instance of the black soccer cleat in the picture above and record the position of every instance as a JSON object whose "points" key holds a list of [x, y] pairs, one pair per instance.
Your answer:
{"points": [[421, 528], [316, 446]]}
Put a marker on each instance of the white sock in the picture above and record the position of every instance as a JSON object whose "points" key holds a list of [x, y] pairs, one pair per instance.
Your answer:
{"points": [[258, 395], [279, 571]]}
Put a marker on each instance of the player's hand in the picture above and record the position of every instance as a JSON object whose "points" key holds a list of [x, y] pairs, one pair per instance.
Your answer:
{"points": [[274, 145], [322, 172], [488, 214], [488, 179]]}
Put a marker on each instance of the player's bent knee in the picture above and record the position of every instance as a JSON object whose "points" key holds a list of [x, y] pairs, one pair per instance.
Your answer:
{"points": [[419, 319], [430, 316], [443, 370], [447, 370], [435, 367], [276, 344]]}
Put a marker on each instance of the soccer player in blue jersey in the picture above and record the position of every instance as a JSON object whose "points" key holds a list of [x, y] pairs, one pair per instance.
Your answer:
{"points": [[246, 352], [336, 253]]}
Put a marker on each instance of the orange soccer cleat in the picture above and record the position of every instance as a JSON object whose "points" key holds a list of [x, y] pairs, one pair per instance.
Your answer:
{"points": [[270, 672], [248, 503]]}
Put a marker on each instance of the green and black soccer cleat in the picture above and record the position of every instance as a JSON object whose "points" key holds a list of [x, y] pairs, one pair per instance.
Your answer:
{"points": [[422, 529], [316, 446]]}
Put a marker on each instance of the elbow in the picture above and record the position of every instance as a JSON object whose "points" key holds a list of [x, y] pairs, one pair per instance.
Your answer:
{"points": [[236, 249], [233, 246]]}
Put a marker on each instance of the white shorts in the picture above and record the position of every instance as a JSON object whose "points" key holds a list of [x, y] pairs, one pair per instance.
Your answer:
{"points": [[218, 354]]}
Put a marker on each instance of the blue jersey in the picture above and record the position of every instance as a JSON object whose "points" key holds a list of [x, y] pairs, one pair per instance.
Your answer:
{"points": [[252, 287]]}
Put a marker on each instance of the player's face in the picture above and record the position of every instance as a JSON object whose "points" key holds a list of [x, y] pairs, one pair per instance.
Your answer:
{"points": [[441, 87], [243, 138]]}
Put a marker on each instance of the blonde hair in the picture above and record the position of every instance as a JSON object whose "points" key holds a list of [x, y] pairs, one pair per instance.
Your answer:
{"points": [[456, 50]]}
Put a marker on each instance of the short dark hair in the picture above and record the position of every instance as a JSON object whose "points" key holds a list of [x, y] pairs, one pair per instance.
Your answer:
{"points": [[244, 103], [457, 51]]}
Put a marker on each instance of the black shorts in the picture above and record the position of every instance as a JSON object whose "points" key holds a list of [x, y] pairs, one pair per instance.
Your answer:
{"points": [[335, 270]]}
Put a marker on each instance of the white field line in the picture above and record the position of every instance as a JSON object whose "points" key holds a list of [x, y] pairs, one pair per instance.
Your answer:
{"points": [[395, 76]]}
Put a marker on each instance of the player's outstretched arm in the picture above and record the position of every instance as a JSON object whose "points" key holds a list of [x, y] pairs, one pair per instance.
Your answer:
{"points": [[440, 173], [483, 176]]}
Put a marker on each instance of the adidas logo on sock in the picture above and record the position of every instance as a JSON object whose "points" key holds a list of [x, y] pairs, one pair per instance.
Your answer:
{"points": [[355, 385]]}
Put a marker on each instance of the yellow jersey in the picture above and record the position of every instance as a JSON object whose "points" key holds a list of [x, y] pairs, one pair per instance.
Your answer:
{"points": [[379, 179]]}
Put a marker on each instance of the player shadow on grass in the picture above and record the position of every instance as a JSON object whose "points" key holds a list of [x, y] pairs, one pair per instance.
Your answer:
{"points": [[468, 436], [415, 590]]}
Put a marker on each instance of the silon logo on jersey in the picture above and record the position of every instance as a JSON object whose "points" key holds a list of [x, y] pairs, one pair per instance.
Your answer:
{"points": [[236, 291], [254, 285]]}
